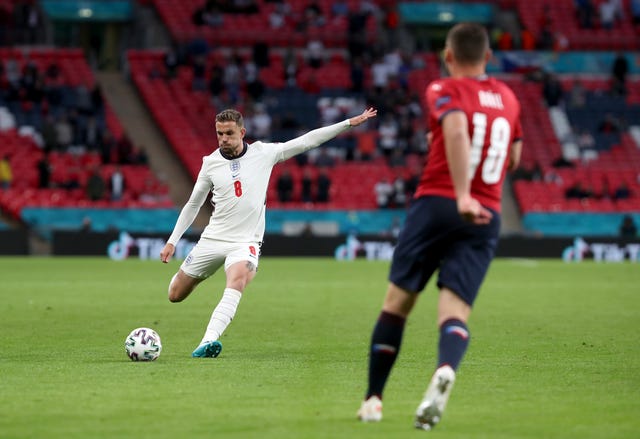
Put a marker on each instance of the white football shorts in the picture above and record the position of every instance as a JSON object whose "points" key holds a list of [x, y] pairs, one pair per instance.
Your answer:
{"points": [[208, 255]]}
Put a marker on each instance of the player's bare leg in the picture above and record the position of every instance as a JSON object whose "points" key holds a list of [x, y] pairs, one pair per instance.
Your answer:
{"points": [[238, 277], [181, 286]]}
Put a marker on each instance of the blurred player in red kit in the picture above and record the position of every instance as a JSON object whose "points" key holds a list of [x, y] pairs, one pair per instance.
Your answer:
{"points": [[453, 223]]}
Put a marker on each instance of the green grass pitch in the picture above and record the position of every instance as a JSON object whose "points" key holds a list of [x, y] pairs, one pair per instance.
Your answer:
{"points": [[554, 353]]}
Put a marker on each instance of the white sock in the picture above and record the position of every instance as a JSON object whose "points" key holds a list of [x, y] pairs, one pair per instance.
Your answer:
{"points": [[222, 314]]}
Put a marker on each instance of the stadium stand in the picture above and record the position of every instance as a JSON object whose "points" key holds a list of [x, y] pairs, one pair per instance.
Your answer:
{"points": [[58, 74], [583, 31], [183, 86], [229, 30]]}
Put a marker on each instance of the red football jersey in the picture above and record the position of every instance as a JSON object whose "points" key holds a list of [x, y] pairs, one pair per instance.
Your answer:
{"points": [[493, 113]]}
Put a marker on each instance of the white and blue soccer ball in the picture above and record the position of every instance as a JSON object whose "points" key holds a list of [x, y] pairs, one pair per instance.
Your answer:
{"points": [[143, 344]]}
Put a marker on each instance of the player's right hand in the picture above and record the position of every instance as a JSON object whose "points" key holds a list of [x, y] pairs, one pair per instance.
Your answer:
{"points": [[471, 210], [167, 252]]}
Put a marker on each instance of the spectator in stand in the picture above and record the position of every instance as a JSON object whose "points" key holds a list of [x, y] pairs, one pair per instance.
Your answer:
{"points": [[607, 14], [610, 124], [552, 90], [85, 226], [562, 162], [242, 7], [585, 141], [124, 148], [622, 192], [619, 71], [628, 228], [357, 35], [91, 133], [546, 39], [324, 159], [585, 11], [383, 191], [260, 122], [339, 9], [290, 67], [388, 135], [117, 184], [279, 15], [108, 148], [545, 18], [233, 78], [216, 85], [64, 132], [6, 174], [171, 62], [577, 94], [84, 106], [5, 25], [618, 8], [505, 40], [405, 133], [254, 85], [391, 24], [323, 186], [560, 42], [138, 156], [12, 72], [199, 68], [284, 186], [208, 15], [97, 100], [315, 53], [357, 75], [44, 172], [27, 21], [312, 17], [552, 177], [366, 146], [95, 186], [527, 39], [419, 144], [306, 192], [260, 54], [576, 191], [380, 74], [397, 159], [52, 71], [399, 192], [635, 12], [75, 119]]}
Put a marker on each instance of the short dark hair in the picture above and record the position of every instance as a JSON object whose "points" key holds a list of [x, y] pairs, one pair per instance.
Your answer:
{"points": [[230, 115], [469, 42]]}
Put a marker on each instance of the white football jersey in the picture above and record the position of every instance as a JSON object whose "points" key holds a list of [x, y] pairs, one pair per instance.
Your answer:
{"points": [[239, 187]]}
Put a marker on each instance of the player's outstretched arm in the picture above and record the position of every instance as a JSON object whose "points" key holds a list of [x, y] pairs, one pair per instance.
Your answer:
{"points": [[362, 118], [318, 136]]}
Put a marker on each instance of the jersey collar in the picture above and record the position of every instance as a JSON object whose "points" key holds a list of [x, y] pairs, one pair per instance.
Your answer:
{"points": [[244, 151]]}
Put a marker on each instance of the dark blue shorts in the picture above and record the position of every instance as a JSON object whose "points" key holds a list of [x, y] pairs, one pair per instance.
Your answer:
{"points": [[434, 236]]}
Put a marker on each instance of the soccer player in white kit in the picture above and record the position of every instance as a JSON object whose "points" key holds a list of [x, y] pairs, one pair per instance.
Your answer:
{"points": [[237, 174]]}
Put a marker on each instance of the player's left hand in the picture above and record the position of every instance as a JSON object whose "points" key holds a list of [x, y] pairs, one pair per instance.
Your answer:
{"points": [[167, 252], [366, 114], [471, 210]]}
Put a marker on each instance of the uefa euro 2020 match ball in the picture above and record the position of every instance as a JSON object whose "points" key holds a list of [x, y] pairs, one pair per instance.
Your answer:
{"points": [[143, 344]]}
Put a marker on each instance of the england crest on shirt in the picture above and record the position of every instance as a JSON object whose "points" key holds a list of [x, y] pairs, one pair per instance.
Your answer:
{"points": [[235, 168]]}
